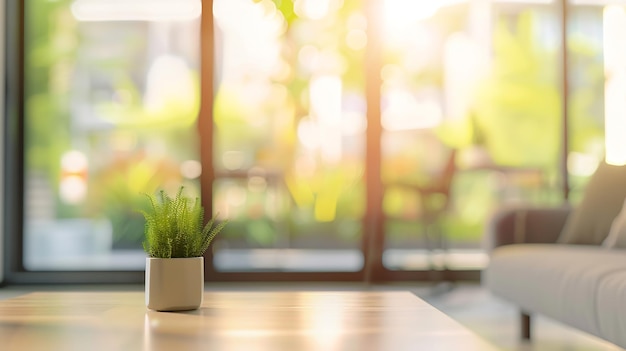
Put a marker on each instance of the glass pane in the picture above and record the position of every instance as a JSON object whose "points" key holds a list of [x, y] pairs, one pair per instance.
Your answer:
{"points": [[471, 123], [596, 101], [290, 131], [112, 96]]}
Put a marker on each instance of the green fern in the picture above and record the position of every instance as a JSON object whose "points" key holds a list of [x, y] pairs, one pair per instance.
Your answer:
{"points": [[174, 227]]}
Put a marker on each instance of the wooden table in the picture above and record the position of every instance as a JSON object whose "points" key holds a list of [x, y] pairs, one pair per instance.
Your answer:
{"points": [[249, 321]]}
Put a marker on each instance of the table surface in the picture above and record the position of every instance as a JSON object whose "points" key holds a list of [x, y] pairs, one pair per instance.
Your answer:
{"points": [[286, 320]]}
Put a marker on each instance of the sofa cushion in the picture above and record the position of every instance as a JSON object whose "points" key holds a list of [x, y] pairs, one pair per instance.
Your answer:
{"points": [[559, 281], [617, 233], [611, 308], [604, 194]]}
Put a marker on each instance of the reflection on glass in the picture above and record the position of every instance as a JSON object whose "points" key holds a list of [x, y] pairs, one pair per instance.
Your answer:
{"points": [[327, 321], [111, 102]]}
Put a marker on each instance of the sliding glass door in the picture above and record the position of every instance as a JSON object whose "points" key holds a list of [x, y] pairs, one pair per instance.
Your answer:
{"points": [[343, 139], [471, 124]]}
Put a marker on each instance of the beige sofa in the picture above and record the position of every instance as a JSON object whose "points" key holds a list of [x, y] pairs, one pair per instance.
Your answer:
{"points": [[556, 261]]}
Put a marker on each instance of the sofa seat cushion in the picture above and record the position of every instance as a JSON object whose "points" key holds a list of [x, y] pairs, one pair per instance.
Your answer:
{"points": [[558, 281], [611, 308]]}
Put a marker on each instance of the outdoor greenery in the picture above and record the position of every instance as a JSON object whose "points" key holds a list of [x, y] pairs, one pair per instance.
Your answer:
{"points": [[174, 227], [51, 49], [77, 97]]}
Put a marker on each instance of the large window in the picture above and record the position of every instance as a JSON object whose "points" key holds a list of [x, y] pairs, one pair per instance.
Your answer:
{"points": [[454, 107], [111, 102]]}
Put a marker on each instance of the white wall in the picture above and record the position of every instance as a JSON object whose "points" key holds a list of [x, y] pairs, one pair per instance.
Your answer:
{"points": [[2, 119]]}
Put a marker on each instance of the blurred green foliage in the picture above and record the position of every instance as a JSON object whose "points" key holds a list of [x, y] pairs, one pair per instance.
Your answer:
{"points": [[517, 119], [518, 109], [518, 113], [50, 45]]}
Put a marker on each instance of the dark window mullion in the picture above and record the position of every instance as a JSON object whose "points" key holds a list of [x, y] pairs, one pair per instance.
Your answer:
{"points": [[205, 118], [373, 223]]}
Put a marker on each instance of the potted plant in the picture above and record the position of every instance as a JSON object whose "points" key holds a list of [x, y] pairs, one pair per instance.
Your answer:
{"points": [[175, 240]]}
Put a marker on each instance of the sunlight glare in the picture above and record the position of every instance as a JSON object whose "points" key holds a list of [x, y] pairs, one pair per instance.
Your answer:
{"points": [[405, 112], [326, 100], [615, 85], [308, 57], [312, 9], [73, 190], [169, 81], [581, 164], [400, 17], [74, 161], [464, 65], [251, 33], [233, 160], [356, 39], [73, 186], [191, 169], [136, 10], [325, 320], [308, 133], [325, 97]]}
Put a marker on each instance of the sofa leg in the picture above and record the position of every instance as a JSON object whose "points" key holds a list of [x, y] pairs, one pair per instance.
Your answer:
{"points": [[525, 326]]}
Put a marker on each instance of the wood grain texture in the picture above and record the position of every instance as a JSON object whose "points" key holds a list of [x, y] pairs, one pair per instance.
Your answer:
{"points": [[231, 321]]}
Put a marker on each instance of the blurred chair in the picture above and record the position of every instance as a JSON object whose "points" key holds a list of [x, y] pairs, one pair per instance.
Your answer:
{"points": [[434, 197]]}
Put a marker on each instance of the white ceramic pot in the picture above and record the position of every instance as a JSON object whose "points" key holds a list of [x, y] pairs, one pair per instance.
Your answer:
{"points": [[174, 284]]}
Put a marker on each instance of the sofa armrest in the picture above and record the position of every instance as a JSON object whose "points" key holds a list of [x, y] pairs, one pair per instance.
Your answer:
{"points": [[526, 225]]}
